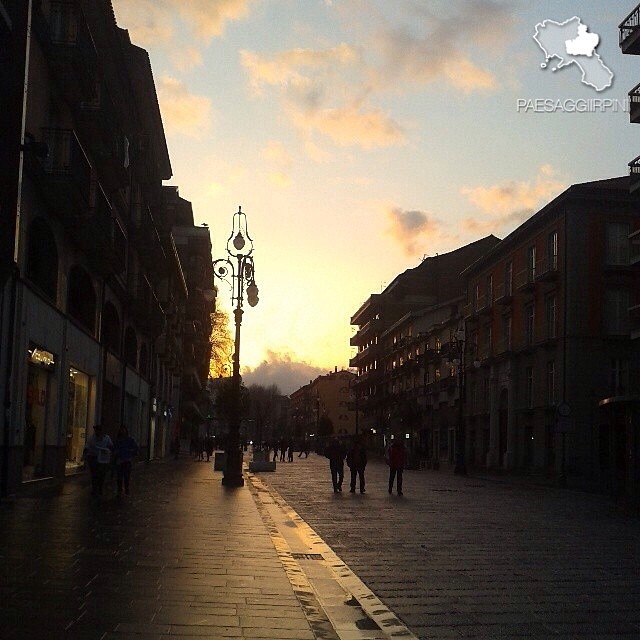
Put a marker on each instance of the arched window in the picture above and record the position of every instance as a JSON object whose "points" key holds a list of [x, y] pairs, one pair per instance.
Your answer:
{"points": [[42, 257], [131, 347], [110, 328], [144, 360], [81, 298]]}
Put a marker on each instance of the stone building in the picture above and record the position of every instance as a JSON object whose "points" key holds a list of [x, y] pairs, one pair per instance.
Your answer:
{"points": [[93, 291]]}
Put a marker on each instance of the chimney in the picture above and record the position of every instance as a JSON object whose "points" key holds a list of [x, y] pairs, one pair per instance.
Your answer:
{"points": [[335, 369]]}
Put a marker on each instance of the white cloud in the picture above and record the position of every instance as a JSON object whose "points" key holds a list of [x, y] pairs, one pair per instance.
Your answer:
{"points": [[412, 230], [513, 201], [183, 112], [282, 370], [151, 21]]}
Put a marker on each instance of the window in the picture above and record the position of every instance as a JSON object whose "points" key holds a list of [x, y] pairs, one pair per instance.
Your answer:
{"points": [[619, 376], [550, 304], [616, 311], [531, 263], [508, 278], [81, 298], [617, 239], [552, 251], [506, 332], [489, 290], [529, 387], [551, 383], [529, 324], [42, 258]]}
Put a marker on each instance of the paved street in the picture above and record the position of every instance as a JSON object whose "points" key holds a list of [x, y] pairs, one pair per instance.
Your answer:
{"points": [[477, 558], [181, 558]]}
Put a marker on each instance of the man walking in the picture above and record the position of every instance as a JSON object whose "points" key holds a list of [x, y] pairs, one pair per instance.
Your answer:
{"points": [[396, 459], [357, 461], [335, 452]]}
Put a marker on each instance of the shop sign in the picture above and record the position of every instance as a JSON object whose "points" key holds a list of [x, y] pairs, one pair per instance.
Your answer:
{"points": [[42, 357]]}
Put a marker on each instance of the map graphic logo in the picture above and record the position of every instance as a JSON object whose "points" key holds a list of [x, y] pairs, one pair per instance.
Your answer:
{"points": [[570, 43]]}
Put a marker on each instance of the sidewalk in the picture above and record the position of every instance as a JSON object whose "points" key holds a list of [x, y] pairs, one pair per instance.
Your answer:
{"points": [[182, 557]]}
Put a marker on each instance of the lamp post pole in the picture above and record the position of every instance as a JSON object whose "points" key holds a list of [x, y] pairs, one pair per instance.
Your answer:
{"points": [[241, 277]]}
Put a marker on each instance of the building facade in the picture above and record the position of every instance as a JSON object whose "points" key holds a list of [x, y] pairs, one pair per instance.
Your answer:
{"points": [[547, 318], [93, 287], [388, 340]]}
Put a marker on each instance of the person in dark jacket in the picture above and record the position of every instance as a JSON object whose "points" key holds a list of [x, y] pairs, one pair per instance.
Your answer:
{"points": [[336, 453], [125, 449], [357, 461], [396, 459]]}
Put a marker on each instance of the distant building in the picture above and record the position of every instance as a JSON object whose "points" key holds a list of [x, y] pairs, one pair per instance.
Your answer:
{"points": [[387, 338], [324, 407]]}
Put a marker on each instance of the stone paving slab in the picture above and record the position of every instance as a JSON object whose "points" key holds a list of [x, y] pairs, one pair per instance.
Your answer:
{"points": [[182, 557]]}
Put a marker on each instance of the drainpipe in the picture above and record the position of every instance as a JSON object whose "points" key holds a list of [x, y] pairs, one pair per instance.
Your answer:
{"points": [[14, 155]]}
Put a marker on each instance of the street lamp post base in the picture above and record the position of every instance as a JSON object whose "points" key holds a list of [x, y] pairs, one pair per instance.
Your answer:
{"points": [[233, 470]]}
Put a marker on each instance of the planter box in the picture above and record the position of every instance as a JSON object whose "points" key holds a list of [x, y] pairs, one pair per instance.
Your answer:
{"points": [[261, 462]]}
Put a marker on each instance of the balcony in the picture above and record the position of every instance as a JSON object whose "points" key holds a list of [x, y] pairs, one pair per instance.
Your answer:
{"points": [[108, 146], [370, 328], [63, 175], [629, 36], [504, 293], [525, 279], [65, 37], [144, 305], [547, 269], [99, 234], [634, 105], [634, 174], [504, 348]]}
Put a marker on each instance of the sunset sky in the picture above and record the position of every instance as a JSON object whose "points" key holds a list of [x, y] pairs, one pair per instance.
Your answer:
{"points": [[362, 135]]}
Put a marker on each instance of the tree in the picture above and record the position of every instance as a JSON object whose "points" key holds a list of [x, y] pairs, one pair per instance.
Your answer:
{"points": [[221, 345]]}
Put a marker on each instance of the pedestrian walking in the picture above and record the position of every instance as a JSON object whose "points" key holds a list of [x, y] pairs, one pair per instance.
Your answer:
{"points": [[209, 447], [396, 459], [283, 450], [336, 453], [97, 454], [275, 451], [125, 449], [290, 451], [357, 461]]}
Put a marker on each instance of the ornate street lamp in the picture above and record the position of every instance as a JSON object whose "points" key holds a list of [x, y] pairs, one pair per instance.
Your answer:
{"points": [[239, 272]]}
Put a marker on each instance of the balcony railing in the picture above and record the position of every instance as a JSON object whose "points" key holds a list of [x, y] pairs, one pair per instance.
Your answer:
{"points": [[547, 268], [629, 36], [504, 293], [634, 174], [634, 104], [525, 279]]}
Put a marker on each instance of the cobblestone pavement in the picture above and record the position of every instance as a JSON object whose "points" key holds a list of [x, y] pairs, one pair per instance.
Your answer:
{"points": [[475, 558]]}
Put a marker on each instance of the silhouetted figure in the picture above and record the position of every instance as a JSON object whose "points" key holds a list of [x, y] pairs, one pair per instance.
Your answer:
{"points": [[357, 461], [336, 453], [275, 451], [396, 459], [124, 450], [290, 452], [283, 450], [304, 448], [97, 453], [208, 447]]}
